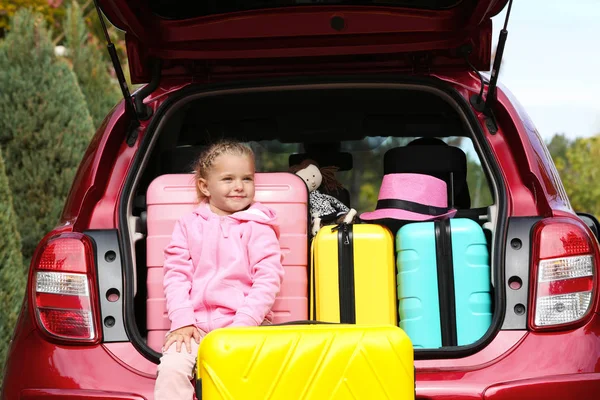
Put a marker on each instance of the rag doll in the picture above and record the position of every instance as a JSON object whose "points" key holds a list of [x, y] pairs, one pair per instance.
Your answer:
{"points": [[324, 208]]}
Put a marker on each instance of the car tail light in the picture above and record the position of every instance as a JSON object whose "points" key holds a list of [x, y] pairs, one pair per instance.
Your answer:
{"points": [[63, 289], [564, 265]]}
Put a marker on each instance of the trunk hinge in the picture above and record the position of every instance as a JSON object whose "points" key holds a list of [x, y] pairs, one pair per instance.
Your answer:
{"points": [[487, 106], [139, 111]]}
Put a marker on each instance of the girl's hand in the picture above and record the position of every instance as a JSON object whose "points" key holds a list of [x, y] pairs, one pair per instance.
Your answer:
{"points": [[184, 335]]}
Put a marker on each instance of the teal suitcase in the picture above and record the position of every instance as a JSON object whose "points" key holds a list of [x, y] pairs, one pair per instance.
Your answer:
{"points": [[444, 287]]}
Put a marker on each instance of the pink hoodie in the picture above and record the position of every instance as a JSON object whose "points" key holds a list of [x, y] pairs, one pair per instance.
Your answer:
{"points": [[223, 270]]}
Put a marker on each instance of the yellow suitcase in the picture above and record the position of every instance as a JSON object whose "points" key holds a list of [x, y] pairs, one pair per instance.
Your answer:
{"points": [[308, 362], [353, 275]]}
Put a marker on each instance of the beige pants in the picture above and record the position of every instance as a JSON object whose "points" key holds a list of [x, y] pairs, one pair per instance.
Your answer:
{"points": [[175, 372]]}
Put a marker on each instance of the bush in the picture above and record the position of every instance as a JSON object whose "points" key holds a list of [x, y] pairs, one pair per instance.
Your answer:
{"points": [[579, 171], [44, 129], [13, 276], [101, 92], [53, 14]]}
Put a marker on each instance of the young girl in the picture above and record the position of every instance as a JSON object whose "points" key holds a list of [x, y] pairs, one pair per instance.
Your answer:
{"points": [[222, 267]]}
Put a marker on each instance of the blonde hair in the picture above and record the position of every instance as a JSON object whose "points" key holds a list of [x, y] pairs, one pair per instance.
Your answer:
{"points": [[207, 159]]}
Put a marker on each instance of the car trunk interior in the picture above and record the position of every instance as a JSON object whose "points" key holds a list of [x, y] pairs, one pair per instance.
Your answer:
{"points": [[352, 125]]}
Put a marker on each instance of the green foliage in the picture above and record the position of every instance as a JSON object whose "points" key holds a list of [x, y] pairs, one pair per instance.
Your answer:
{"points": [[101, 92], [558, 146], [44, 129], [54, 12], [580, 172], [13, 277], [272, 161], [51, 11], [479, 188], [364, 179]]}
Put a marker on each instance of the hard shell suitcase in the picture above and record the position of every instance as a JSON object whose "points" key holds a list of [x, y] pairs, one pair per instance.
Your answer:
{"points": [[171, 196], [306, 362], [353, 275], [443, 282]]}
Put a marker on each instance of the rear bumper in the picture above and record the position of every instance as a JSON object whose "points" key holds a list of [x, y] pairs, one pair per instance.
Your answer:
{"points": [[551, 366], [561, 387], [572, 386]]}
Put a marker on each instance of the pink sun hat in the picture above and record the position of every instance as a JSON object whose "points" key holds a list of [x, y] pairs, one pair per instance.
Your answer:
{"points": [[411, 197]]}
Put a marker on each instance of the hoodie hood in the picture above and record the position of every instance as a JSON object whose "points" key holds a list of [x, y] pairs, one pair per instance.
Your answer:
{"points": [[257, 212]]}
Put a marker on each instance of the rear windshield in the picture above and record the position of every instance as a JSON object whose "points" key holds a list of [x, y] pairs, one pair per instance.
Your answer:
{"points": [[182, 9], [364, 177]]}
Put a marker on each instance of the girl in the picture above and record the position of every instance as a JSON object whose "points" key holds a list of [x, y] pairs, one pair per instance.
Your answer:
{"points": [[222, 267]]}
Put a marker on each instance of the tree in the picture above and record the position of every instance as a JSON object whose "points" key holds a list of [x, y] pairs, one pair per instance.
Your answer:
{"points": [[558, 146], [13, 276], [580, 172], [50, 9], [54, 12], [479, 188], [44, 129], [101, 92]]}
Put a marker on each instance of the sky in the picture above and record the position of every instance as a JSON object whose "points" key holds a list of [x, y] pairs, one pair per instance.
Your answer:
{"points": [[551, 63]]}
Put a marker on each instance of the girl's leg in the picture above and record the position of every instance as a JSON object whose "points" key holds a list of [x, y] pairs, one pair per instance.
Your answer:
{"points": [[175, 372]]}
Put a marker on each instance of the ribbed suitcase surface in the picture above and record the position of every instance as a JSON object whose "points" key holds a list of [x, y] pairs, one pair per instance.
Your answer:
{"points": [[311, 362], [354, 278], [171, 196], [457, 312]]}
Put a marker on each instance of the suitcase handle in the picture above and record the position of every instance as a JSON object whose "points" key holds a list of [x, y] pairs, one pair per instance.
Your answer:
{"points": [[338, 226], [302, 322]]}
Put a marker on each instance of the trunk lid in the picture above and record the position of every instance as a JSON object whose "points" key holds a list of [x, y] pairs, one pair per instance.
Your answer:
{"points": [[191, 38]]}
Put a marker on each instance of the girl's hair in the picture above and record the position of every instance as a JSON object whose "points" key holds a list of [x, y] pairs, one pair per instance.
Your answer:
{"points": [[328, 173], [207, 158]]}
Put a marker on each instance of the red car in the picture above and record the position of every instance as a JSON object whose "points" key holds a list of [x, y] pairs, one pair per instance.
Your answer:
{"points": [[339, 77]]}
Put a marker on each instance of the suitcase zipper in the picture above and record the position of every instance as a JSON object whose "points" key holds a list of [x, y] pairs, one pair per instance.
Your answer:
{"points": [[346, 274], [445, 275]]}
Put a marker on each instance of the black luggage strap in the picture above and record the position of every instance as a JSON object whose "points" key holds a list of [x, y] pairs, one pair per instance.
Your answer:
{"points": [[198, 388], [313, 286], [346, 274], [445, 275]]}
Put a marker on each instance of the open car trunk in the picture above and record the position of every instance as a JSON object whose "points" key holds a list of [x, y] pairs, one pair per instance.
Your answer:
{"points": [[351, 125], [210, 39]]}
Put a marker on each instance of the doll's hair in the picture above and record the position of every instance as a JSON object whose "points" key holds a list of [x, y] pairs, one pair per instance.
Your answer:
{"points": [[207, 158], [328, 173]]}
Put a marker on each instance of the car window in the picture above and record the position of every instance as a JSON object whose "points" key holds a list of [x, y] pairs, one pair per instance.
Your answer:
{"points": [[477, 181], [364, 179]]}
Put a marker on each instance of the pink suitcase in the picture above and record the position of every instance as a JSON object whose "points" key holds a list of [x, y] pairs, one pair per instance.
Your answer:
{"points": [[171, 196]]}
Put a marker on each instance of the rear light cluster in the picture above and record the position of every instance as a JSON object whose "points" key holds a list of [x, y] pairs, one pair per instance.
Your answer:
{"points": [[63, 294], [564, 258]]}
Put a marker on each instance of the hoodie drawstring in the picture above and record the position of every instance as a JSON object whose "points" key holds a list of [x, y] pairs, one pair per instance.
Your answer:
{"points": [[224, 224]]}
